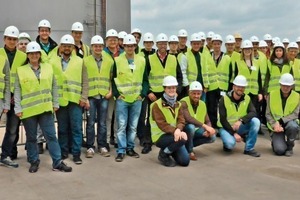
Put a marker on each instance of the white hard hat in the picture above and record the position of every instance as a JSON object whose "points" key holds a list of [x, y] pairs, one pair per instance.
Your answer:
{"points": [[285, 40], [292, 45], [267, 37], [122, 35], [77, 26], [111, 33], [162, 38], [202, 35], [24, 35], [97, 39], [254, 39], [44, 23], [173, 38], [148, 37], [286, 79], [229, 39], [182, 33], [170, 81], [278, 44], [217, 37], [275, 40], [129, 39], [240, 80], [298, 39], [246, 44], [33, 47], [67, 39], [262, 43], [210, 34], [195, 37], [195, 85], [11, 31], [136, 30]]}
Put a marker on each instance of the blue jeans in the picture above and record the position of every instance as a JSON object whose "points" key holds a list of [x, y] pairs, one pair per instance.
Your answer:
{"points": [[177, 149], [127, 117], [69, 118], [195, 137], [11, 133], [98, 112], [249, 131], [46, 122]]}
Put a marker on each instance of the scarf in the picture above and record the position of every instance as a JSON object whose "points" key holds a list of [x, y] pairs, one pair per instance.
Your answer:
{"points": [[170, 100]]}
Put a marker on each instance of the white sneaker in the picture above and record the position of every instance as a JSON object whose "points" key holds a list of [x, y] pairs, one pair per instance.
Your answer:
{"points": [[90, 153], [104, 152]]}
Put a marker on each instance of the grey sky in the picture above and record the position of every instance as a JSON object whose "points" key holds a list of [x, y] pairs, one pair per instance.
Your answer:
{"points": [[256, 17]]}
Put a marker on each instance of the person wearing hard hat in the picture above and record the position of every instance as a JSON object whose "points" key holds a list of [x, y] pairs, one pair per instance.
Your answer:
{"points": [[148, 42], [282, 116], [81, 49], [23, 40], [137, 33], [209, 37], [48, 45], [72, 81], [298, 42], [249, 67], [263, 47], [99, 70], [167, 124], [292, 51], [36, 98], [121, 36], [182, 39], [237, 116], [15, 59], [238, 42], [129, 87], [277, 65], [285, 42], [268, 39], [234, 56], [198, 127]]}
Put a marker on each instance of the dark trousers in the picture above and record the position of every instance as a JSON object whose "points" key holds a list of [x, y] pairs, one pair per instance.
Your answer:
{"points": [[212, 103]]}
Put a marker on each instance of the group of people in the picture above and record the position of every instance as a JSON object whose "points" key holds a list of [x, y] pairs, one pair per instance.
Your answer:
{"points": [[176, 97]]}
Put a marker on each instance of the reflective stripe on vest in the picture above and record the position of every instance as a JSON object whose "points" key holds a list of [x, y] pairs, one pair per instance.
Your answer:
{"points": [[200, 112], [36, 96], [223, 72], [296, 72], [19, 60], [129, 82], [158, 72], [156, 132], [275, 75]]}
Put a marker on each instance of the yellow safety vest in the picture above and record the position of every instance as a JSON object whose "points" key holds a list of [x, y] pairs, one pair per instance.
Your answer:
{"points": [[99, 79], [263, 66], [223, 72], [200, 112], [2, 76], [129, 82], [296, 72], [158, 72], [36, 95], [19, 60], [276, 105], [69, 82], [235, 56], [251, 75], [156, 132], [86, 50], [275, 75]]}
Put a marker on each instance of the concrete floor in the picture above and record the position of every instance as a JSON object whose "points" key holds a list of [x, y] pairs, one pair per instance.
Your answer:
{"points": [[216, 175]]}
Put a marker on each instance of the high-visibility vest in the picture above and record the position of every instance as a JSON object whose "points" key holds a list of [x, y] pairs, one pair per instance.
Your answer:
{"points": [[129, 82], [69, 82], [86, 50], [276, 105], [233, 113], [36, 95], [296, 73], [156, 132], [235, 56], [223, 72], [158, 72], [251, 75], [2, 76], [263, 66], [99, 79], [192, 69], [19, 60], [275, 75], [200, 112]]}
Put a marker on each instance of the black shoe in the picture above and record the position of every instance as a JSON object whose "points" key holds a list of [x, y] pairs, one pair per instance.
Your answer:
{"points": [[116, 145], [62, 167], [34, 166], [64, 156], [83, 144], [120, 157], [40, 148], [252, 153], [289, 153], [77, 160], [112, 141], [226, 149], [14, 156], [146, 149], [165, 159], [132, 153]]}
